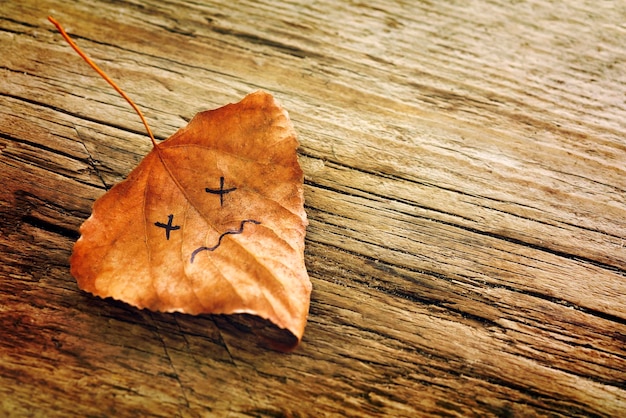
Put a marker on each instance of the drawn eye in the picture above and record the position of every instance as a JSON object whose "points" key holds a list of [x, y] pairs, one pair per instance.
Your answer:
{"points": [[221, 191]]}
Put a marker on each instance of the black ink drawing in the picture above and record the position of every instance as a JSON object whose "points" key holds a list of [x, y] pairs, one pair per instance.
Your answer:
{"points": [[221, 191], [168, 227], [219, 240]]}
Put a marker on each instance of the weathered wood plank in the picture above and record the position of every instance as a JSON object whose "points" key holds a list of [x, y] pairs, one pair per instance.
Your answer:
{"points": [[465, 181]]}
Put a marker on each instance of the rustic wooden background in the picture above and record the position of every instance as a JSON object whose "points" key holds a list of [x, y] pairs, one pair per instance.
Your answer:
{"points": [[465, 180]]}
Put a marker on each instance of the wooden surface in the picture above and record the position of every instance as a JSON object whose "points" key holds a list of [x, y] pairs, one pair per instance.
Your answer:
{"points": [[465, 181]]}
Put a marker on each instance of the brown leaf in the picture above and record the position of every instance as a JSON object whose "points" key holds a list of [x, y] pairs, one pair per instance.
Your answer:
{"points": [[211, 221]]}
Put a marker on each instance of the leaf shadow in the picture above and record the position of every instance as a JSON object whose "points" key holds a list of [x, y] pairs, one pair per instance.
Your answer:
{"points": [[256, 330], [245, 330]]}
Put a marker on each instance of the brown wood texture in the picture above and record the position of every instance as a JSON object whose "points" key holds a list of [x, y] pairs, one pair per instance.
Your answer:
{"points": [[465, 182]]}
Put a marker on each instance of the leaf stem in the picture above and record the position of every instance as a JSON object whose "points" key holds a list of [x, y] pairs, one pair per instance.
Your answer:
{"points": [[103, 75]]}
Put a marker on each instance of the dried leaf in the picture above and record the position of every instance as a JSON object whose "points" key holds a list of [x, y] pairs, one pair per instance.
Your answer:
{"points": [[211, 221]]}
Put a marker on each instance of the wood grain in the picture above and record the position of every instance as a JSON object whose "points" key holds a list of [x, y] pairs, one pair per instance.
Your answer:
{"points": [[465, 173]]}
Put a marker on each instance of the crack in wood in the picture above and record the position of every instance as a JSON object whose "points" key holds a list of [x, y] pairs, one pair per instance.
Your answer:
{"points": [[90, 160]]}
